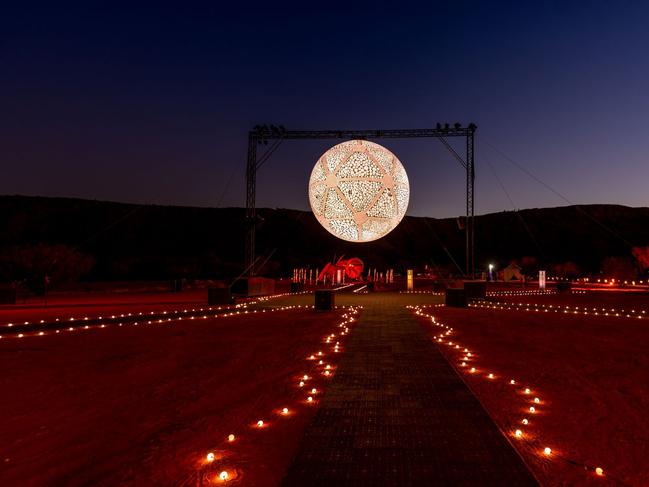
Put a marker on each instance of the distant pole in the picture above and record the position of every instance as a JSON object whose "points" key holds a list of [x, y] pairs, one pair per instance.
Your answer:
{"points": [[251, 211], [470, 203]]}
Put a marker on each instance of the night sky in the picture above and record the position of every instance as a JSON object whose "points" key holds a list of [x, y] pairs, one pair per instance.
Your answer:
{"points": [[152, 104]]}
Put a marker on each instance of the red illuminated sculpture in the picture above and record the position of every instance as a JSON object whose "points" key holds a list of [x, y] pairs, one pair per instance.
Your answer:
{"points": [[352, 268]]}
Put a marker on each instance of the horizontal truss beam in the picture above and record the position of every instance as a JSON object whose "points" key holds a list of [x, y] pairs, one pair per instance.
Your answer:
{"points": [[265, 133]]}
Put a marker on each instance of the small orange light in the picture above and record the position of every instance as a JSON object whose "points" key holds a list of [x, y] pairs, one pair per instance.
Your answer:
{"points": [[547, 451], [210, 457], [518, 433], [231, 437], [599, 471]]}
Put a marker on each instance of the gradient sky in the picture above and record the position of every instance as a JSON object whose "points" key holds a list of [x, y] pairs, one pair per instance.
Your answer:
{"points": [[152, 104]]}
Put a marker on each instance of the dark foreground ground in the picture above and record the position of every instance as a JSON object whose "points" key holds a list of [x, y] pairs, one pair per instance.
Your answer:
{"points": [[589, 372], [143, 405]]}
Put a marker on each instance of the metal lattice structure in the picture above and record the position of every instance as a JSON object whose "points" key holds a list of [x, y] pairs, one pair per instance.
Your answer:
{"points": [[263, 134]]}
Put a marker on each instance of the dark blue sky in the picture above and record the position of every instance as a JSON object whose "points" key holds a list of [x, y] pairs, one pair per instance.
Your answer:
{"points": [[152, 103]]}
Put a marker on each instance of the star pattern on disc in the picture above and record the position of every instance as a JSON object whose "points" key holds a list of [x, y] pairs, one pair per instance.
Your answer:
{"points": [[359, 191]]}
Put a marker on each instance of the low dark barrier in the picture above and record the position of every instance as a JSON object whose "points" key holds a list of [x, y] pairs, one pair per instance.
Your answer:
{"points": [[219, 295], [455, 298], [325, 300]]}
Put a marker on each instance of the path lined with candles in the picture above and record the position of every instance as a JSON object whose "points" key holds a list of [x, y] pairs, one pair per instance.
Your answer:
{"points": [[387, 403], [36, 328], [220, 464], [151, 396], [565, 309], [465, 362], [397, 414]]}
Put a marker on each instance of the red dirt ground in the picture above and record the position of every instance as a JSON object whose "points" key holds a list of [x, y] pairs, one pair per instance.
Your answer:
{"points": [[65, 306], [608, 299], [142, 405], [590, 373]]}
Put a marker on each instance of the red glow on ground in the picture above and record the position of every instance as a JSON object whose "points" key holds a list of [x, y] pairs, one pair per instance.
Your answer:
{"points": [[589, 372], [144, 405]]}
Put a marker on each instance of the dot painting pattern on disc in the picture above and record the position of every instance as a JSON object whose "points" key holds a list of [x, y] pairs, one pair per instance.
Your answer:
{"points": [[359, 191]]}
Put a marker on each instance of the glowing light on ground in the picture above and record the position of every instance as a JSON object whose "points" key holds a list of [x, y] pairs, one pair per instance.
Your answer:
{"points": [[528, 441], [233, 475]]}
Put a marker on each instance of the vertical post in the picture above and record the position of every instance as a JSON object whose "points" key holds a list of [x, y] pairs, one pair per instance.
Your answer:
{"points": [[470, 201], [251, 211], [467, 223]]}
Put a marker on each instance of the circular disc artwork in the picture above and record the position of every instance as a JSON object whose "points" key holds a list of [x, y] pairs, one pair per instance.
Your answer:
{"points": [[359, 191]]}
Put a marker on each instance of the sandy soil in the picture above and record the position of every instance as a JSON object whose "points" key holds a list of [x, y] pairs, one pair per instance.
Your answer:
{"points": [[589, 373], [592, 299], [65, 306], [142, 405]]}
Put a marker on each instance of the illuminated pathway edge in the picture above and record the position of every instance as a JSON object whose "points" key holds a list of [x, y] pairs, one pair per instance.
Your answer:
{"points": [[396, 413]]}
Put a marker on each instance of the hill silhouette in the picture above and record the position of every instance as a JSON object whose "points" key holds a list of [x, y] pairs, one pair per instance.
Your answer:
{"points": [[126, 241]]}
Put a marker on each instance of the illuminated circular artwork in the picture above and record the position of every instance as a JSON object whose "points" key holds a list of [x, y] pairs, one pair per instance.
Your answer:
{"points": [[359, 191]]}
